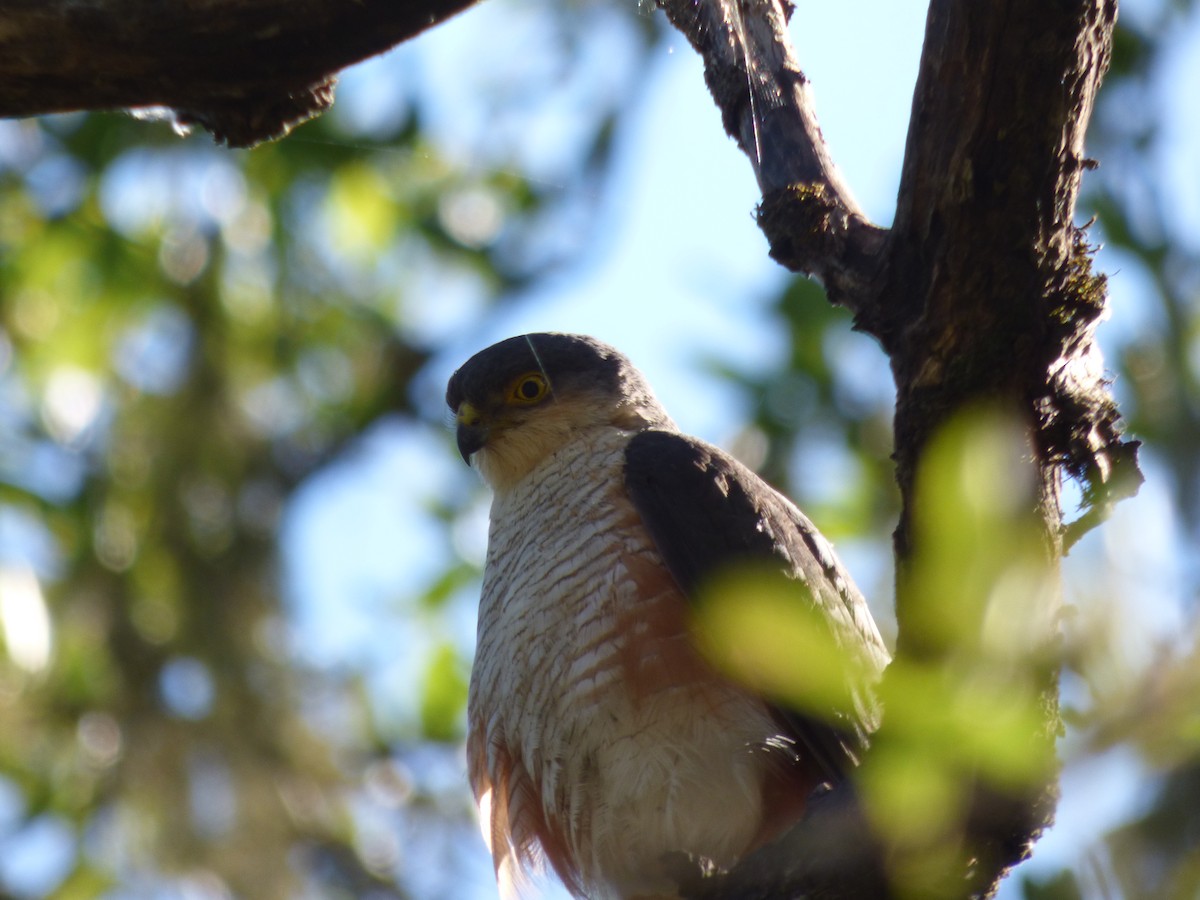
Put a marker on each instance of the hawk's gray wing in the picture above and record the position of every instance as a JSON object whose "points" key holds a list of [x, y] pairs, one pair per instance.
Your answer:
{"points": [[706, 511]]}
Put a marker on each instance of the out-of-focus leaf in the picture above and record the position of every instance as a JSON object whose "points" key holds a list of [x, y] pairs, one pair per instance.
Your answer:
{"points": [[447, 584], [759, 627], [84, 882], [1062, 886], [445, 694], [963, 702]]}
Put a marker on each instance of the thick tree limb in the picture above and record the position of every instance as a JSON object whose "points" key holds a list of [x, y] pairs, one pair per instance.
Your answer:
{"points": [[990, 292], [247, 70]]}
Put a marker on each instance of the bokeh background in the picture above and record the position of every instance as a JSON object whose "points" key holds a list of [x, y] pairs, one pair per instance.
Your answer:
{"points": [[239, 556]]}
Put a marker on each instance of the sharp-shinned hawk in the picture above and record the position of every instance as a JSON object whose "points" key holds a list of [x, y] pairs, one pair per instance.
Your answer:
{"points": [[600, 739]]}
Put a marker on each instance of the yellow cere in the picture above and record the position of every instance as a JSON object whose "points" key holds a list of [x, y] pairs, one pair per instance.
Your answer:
{"points": [[467, 414]]}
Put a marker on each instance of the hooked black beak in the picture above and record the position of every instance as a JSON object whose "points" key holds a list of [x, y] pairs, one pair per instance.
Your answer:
{"points": [[470, 433]]}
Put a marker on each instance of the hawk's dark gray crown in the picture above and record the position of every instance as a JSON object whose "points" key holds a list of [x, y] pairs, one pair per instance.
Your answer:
{"points": [[567, 360]]}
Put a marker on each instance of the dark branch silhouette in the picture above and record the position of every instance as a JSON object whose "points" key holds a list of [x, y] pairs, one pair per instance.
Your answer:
{"points": [[246, 70]]}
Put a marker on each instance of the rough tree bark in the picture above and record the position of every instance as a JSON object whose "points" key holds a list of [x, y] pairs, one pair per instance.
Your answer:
{"points": [[981, 290], [246, 70]]}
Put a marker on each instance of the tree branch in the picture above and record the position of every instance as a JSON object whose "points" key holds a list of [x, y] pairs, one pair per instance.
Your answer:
{"points": [[811, 219], [247, 70]]}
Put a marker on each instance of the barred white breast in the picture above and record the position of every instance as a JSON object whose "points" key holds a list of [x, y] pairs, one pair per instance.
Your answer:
{"points": [[604, 740]]}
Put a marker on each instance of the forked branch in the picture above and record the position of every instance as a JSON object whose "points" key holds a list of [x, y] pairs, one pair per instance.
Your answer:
{"points": [[811, 219]]}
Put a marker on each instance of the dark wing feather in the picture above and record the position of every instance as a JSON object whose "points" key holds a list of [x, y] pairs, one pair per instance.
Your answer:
{"points": [[706, 511]]}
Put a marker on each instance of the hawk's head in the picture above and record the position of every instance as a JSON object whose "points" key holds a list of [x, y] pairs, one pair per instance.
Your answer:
{"points": [[519, 400]]}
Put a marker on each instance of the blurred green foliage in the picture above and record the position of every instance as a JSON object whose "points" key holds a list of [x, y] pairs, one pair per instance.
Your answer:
{"points": [[188, 335], [171, 378], [750, 625], [1135, 200], [967, 704]]}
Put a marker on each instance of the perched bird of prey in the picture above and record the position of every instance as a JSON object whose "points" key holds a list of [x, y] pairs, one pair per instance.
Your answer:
{"points": [[600, 739]]}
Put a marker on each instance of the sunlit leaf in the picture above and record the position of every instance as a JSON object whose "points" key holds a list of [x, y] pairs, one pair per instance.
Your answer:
{"points": [[763, 630], [444, 696]]}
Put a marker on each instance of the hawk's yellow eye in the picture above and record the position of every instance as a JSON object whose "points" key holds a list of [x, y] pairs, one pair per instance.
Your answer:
{"points": [[529, 388]]}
